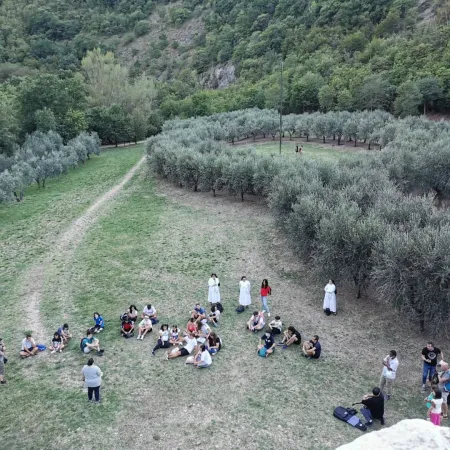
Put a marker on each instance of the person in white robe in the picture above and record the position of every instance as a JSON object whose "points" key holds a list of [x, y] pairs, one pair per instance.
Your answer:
{"points": [[329, 300], [244, 292], [213, 289]]}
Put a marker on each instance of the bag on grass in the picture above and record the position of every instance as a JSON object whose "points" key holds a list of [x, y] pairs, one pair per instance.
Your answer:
{"points": [[435, 378], [327, 311], [349, 416], [154, 321], [219, 307], [240, 309], [262, 352]]}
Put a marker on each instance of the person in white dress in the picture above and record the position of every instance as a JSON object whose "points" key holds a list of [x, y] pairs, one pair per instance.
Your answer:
{"points": [[213, 290], [329, 301], [244, 292]]}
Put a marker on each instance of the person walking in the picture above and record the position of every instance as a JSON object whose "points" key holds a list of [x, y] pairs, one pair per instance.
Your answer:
{"points": [[430, 355], [244, 292], [213, 289], [265, 291], [2, 362], [92, 376], [390, 365], [329, 300]]}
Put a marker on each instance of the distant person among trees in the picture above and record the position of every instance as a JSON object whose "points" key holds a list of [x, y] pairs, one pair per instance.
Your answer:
{"points": [[390, 365], [127, 330], [291, 336], [190, 344], [150, 311], [163, 341], [267, 344], [430, 355], [256, 322], [198, 313], [174, 335], [99, 323], [312, 348], [63, 331], [244, 292], [435, 410], [192, 326], [265, 292], [29, 347], [213, 289], [214, 317], [57, 344], [276, 325], [373, 407], [92, 377], [90, 343], [329, 300], [145, 326]]}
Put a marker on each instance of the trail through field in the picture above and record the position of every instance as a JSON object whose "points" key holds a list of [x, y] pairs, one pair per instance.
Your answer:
{"points": [[62, 254]]}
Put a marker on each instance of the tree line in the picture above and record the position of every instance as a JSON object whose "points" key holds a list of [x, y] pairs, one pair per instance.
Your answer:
{"points": [[43, 156], [368, 219]]}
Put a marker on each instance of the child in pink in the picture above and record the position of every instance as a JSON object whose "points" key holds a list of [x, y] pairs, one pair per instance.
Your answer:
{"points": [[436, 407]]}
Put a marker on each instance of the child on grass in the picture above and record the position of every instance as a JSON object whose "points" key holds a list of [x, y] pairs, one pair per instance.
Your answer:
{"points": [[428, 399], [434, 412]]}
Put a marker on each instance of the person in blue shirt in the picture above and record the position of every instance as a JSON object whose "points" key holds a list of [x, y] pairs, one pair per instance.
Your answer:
{"points": [[312, 348], [267, 342], [99, 323], [198, 313]]}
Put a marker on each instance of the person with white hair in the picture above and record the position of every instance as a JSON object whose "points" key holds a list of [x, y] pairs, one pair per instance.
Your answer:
{"points": [[444, 385]]}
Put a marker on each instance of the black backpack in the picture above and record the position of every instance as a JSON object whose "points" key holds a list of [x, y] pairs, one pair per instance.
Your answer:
{"points": [[240, 309], [435, 378], [349, 414], [219, 307]]}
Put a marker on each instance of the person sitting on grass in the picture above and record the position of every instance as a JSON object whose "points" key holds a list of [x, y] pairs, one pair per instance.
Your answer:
{"points": [[29, 347], [175, 335], [57, 344], [127, 330], [214, 316], [256, 321], [276, 325], [99, 323], [214, 343], [267, 343], [373, 406], [145, 326], [291, 336], [204, 332], [132, 313], [192, 326], [312, 348], [204, 360], [191, 343], [150, 311], [163, 341], [198, 313], [64, 333], [90, 343]]}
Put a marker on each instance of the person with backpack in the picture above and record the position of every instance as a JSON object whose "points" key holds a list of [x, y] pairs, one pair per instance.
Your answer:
{"points": [[267, 344], [444, 386], [244, 292], [163, 341], [265, 292], [390, 365], [92, 377], [329, 300], [213, 289], [430, 355], [373, 407], [90, 343]]}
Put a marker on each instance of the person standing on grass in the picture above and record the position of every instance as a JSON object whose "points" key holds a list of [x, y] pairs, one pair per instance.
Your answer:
{"points": [[2, 362], [92, 376], [163, 341], [373, 406], [265, 292], [430, 355], [434, 412], [428, 399], [329, 300], [390, 365], [244, 292], [29, 347], [444, 385], [213, 289]]}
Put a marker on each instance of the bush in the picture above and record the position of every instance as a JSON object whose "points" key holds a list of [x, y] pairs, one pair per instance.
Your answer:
{"points": [[141, 28]]}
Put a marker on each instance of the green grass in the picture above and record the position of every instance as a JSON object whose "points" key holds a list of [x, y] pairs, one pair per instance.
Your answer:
{"points": [[313, 151], [158, 243]]}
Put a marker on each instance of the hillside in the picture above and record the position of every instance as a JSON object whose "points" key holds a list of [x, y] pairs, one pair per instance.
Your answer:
{"points": [[213, 56]]}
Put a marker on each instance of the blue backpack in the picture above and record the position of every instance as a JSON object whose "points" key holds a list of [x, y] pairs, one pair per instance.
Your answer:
{"points": [[262, 352]]}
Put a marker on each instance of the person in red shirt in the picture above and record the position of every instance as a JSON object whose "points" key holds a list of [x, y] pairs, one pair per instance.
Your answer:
{"points": [[265, 291]]}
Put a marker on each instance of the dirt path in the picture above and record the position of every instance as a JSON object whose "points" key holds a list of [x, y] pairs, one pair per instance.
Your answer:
{"points": [[62, 253]]}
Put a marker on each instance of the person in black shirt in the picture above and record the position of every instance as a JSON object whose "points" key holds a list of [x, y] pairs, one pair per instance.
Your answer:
{"points": [[373, 407], [291, 336], [267, 342], [430, 355]]}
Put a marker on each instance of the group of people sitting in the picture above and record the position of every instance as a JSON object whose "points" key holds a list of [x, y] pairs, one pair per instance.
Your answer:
{"points": [[267, 344], [59, 341], [130, 317]]}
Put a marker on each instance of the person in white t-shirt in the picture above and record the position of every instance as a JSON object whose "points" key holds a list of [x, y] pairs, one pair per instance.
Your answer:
{"points": [[150, 311], [390, 365], [204, 332], [191, 343], [205, 359], [436, 408]]}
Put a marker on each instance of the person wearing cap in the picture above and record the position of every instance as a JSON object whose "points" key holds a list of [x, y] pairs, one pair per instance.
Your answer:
{"points": [[2, 362], [373, 406], [92, 377], [29, 347]]}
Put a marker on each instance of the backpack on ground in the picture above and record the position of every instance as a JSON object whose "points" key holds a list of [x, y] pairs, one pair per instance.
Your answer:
{"points": [[262, 352], [349, 415], [240, 309], [328, 311]]}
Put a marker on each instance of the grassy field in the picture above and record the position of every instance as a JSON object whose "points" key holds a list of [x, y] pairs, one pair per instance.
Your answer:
{"points": [[159, 243]]}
